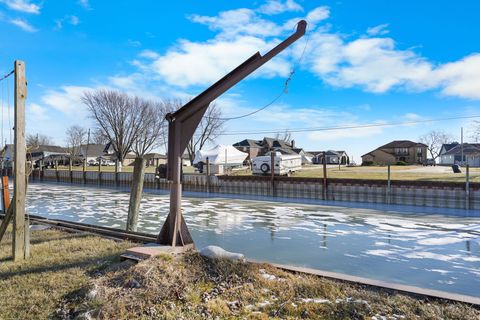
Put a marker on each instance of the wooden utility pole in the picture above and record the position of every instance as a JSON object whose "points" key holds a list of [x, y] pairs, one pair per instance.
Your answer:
{"points": [[20, 250]]}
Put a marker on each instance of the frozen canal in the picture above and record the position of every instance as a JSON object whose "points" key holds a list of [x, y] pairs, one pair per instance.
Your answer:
{"points": [[431, 251]]}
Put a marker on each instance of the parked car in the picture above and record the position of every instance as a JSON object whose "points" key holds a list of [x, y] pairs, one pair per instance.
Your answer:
{"points": [[92, 162], [429, 162], [108, 163]]}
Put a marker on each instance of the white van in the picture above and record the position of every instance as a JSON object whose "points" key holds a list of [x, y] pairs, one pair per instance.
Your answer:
{"points": [[284, 164]]}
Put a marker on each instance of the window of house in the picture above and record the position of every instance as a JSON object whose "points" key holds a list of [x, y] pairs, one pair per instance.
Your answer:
{"points": [[401, 150]]}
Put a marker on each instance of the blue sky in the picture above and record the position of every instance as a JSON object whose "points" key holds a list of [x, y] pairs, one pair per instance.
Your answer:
{"points": [[365, 62]]}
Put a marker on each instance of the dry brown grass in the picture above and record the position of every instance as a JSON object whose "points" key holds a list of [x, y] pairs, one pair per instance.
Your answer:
{"points": [[191, 287], [60, 264], [74, 276]]}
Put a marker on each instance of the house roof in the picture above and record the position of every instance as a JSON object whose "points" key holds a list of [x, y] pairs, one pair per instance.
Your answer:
{"points": [[276, 143], [94, 150], [154, 155], [402, 144], [248, 143], [449, 146], [468, 148]]}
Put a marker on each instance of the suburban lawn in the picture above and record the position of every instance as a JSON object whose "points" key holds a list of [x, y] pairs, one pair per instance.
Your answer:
{"points": [[78, 276], [419, 173]]}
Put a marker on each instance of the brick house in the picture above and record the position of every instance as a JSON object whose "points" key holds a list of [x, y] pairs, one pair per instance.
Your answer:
{"points": [[397, 151]]}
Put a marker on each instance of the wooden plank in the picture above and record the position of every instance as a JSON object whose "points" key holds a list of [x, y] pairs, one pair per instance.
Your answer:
{"points": [[19, 246], [5, 194], [6, 220], [412, 290]]}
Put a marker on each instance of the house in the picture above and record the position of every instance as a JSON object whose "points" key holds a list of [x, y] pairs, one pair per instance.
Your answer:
{"points": [[256, 148], [396, 151], [155, 159], [92, 152], [452, 154], [332, 157]]}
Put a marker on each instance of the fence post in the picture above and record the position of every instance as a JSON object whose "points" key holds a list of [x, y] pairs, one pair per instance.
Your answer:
{"points": [[325, 194], [84, 171], [99, 171], [56, 170], [207, 182], [467, 188], [116, 172], [42, 169], [272, 172], [70, 170], [389, 185]]}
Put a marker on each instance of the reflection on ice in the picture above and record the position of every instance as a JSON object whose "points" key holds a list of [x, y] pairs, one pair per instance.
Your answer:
{"points": [[432, 251]]}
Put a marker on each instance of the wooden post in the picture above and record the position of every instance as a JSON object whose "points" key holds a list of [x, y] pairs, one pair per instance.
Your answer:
{"points": [[70, 169], [389, 185], [19, 190], [5, 194], [116, 172], [207, 171], [325, 194], [42, 169], [136, 193], [100, 171], [56, 169], [272, 172], [467, 188], [85, 171]]}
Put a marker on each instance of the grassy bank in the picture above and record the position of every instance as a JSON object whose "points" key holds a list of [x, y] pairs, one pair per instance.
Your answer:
{"points": [[416, 173], [72, 276]]}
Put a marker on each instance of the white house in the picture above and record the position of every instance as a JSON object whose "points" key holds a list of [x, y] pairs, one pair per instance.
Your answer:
{"points": [[452, 154]]}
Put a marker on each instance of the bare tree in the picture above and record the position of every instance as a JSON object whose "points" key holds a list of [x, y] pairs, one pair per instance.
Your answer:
{"points": [[475, 131], [131, 124], [76, 136], [285, 136], [97, 137], [36, 140], [434, 141], [118, 116], [208, 130]]}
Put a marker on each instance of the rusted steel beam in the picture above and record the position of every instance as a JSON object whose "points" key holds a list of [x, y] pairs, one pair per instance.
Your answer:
{"points": [[182, 126]]}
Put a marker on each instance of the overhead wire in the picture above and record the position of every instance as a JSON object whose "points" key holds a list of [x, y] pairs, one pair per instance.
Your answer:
{"points": [[372, 125], [284, 88]]}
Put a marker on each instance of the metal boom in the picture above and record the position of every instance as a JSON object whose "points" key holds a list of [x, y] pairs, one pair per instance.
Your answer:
{"points": [[182, 125]]}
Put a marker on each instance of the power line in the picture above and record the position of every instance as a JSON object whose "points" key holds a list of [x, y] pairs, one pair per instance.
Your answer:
{"points": [[7, 75], [387, 124], [284, 89]]}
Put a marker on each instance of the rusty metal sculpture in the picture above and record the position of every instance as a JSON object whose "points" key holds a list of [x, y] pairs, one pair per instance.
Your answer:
{"points": [[182, 126]]}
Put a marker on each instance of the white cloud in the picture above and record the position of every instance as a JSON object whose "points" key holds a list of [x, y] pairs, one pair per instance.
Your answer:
{"points": [[67, 100], [379, 30], [36, 112], [70, 19], [149, 54], [240, 21], [22, 6], [85, 4], [201, 63], [74, 20], [460, 78], [23, 24], [276, 7], [318, 14]]}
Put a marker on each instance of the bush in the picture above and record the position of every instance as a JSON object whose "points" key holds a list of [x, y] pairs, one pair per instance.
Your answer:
{"points": [[401, 163], [367, 163]]}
